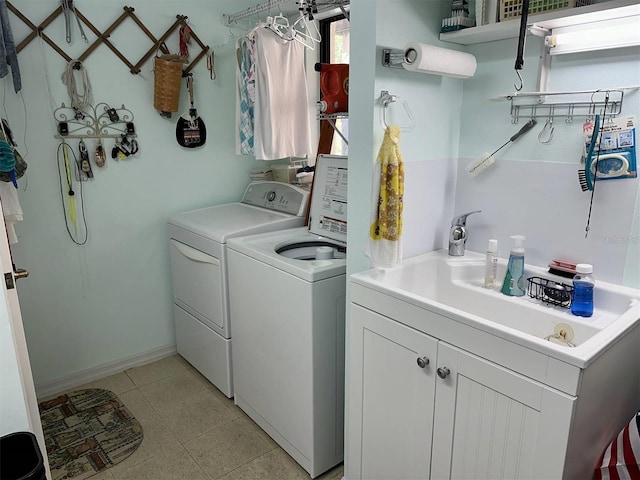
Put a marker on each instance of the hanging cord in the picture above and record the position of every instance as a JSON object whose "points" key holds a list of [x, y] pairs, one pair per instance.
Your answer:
{"points": [[521, 43], [79, 101], [595, 168], [68, 180], [52, 102]]}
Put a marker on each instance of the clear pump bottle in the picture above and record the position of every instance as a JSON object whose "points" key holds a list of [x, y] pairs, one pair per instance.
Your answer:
{"points": [[491, 264], [583, 283]]}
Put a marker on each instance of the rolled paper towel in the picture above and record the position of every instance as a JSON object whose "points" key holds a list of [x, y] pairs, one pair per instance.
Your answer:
{"points": [[422, 58]]}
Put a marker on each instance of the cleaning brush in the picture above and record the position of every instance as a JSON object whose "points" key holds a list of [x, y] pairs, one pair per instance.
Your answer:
{"points": [[486, 160], [585, 175]]}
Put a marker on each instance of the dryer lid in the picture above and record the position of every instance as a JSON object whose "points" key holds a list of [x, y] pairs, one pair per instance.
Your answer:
{"points": [[328, 211]]}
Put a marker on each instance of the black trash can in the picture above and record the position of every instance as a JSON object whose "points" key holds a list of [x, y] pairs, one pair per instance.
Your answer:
{"points": [[20, 457]]}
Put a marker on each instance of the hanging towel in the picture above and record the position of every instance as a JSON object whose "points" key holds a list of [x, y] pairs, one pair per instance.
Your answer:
{"points": [[8, 53], [11, 209], [386, 228]]}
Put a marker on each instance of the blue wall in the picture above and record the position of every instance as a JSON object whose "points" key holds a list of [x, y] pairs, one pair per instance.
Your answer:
{"points": [[111, 299], [458, 120], [85, 307], [533, 188]]}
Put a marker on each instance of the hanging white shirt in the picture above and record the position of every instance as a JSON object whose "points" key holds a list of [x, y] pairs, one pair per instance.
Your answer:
{"points": [[281, 114]]}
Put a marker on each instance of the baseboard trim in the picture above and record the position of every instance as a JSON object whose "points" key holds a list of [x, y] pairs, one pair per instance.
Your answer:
{"points": [[110, 368]]}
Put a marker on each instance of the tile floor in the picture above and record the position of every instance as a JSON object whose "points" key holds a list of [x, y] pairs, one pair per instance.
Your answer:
{"points": [[192, 431]]}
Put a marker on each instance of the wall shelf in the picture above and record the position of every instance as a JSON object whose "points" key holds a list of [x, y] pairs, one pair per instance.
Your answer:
{"points": [[550, 20]]}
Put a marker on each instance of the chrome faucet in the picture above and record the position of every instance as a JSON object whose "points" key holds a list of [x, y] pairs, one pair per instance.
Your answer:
{"points": [[458, 234]]}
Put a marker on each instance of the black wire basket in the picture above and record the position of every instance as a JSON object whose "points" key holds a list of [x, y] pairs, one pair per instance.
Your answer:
{"points": [[550, 292]]}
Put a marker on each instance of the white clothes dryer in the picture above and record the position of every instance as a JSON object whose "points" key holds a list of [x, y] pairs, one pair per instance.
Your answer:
{"points": [[198, 250], [287, 299]]}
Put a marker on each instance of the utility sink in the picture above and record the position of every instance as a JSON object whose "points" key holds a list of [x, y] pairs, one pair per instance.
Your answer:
{"points": [[454, 287]]}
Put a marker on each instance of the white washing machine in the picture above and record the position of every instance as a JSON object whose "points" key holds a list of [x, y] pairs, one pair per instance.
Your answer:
{"points": [[198, 246], [287, 297]]}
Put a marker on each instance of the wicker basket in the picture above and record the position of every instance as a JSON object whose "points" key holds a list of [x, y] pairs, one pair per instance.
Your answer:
{"points": [[167, 83], [510, 9]]}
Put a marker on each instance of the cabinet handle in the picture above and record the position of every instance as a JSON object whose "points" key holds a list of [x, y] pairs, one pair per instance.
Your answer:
{"points": [[443, 372], [423, 362]]}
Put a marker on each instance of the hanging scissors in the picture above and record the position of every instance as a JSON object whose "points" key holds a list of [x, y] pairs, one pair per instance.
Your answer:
{"points": [[68, 9]]}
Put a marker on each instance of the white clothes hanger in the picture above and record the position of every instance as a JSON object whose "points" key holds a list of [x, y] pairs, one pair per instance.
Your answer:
{"points": [[305, 33], [280, 26]]}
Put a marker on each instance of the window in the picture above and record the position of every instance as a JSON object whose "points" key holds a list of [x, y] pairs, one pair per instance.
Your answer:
{"points": [[335, 49]]}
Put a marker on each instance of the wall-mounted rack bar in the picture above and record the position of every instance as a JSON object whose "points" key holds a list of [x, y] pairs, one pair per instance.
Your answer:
{"points": [[288, 7], [567, 105], [253, 11], [331, 118], [100, 121], [103, 37]]}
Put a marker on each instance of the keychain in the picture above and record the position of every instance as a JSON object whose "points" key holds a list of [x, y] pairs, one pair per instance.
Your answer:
{"points": [[84, 167], [99, 156]]}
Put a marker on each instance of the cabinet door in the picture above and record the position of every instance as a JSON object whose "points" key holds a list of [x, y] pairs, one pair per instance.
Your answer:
{"points": [[391, 399], [492, 423]]}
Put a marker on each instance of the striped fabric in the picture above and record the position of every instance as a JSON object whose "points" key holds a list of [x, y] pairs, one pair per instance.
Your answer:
{"points": [[621, 459]]}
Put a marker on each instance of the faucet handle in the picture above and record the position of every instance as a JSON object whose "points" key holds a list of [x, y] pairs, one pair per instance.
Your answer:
{"points": [[461, 220]]}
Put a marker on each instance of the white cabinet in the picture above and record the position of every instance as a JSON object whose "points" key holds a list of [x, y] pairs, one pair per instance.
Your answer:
{"points": [[391, 397], [494, 423], [421, 408]]}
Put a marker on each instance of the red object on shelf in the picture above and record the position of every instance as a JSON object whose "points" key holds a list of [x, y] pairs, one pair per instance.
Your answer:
{"points": [[334, 85]]}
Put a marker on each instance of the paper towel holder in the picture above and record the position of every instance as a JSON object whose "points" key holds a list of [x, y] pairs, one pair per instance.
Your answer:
{"points": [[409, 59], [393, 57]]}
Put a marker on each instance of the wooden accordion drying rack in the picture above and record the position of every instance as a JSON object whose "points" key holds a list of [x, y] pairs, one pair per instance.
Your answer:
{"points": [[103, 37]]}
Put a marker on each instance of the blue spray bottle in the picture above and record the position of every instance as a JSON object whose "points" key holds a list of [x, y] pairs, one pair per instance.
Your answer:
{"points": [[515, 283]]}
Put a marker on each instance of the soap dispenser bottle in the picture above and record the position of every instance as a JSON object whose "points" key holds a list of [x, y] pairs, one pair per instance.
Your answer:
{"points": [[514, 282]]}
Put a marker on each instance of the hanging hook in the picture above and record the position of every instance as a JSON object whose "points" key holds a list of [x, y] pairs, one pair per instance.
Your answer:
{"points": [[547, 130], [521, 85]]}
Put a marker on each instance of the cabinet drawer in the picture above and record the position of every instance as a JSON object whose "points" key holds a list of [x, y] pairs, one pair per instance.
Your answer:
{"points": [[198, 285]]}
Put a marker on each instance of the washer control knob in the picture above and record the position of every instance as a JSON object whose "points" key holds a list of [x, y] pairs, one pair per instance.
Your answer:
{"points": [[443, 372], [423, 361], [271, 196]]}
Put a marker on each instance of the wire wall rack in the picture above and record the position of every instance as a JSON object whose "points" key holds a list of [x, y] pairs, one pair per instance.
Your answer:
{"points": [[270, 5], [331, 118], [567, 105], [104, 37], [101, 121]]}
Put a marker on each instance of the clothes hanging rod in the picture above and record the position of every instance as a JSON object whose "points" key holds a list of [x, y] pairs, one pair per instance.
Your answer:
{"points": [[261, 7], [268, 5], [572, 92]]}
